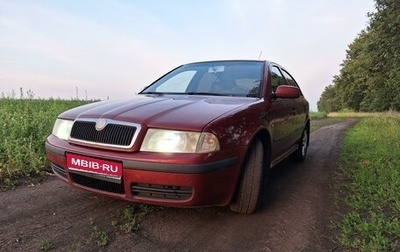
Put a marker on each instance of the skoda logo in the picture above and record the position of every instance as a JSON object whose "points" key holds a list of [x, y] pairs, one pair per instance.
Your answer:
{"points": [[101, 124]]}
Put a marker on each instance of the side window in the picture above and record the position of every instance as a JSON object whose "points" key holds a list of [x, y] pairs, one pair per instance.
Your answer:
{"points": [[276, 78], [289, 78], [178, 83]]}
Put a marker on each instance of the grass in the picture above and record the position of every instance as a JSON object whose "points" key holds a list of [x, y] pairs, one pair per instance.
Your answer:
{"points": [[317, 115], [99, 236], [125, 219], [24, 127], [370, 160], [46, 245], [128, 219], [353, 114]]}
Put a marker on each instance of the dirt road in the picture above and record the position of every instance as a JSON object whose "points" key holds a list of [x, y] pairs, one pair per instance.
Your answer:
{"points": [[294, 215]]}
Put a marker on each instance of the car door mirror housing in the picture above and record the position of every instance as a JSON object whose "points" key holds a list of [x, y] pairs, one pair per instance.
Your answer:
{"points": [[286, 91]]}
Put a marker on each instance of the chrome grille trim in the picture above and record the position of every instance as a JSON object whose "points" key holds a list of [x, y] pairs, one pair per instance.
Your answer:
{"points": [[112, 138]]}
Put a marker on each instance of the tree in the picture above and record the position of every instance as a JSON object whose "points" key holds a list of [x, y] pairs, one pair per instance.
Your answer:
{"points": [[369, 78], [328, 100]]}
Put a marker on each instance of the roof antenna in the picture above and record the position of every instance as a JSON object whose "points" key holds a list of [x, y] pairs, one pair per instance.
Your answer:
{"points": [[259, 56]]}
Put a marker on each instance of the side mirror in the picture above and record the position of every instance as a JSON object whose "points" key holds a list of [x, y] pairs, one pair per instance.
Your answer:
{"points": [[286, 91]]}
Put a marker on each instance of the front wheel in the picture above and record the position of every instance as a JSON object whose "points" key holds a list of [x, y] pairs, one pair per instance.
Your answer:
{"points": [[250, 183], [300, 154]]}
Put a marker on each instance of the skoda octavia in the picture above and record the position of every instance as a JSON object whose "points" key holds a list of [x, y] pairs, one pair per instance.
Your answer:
{"points": [[204, 134]]}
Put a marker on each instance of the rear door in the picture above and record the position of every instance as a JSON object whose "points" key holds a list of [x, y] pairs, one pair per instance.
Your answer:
{"points": [[300, 107]]}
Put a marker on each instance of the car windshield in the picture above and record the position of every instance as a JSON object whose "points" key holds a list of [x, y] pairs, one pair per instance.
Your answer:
{"points": [[224, 78]]}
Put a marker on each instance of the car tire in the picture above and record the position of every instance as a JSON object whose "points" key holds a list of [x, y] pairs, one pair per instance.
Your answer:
{"points": [[300, 154], [249, 188]]}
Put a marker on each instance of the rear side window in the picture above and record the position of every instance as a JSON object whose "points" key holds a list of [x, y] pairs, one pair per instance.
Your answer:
{"points": [[289, 78], [276, 78]]}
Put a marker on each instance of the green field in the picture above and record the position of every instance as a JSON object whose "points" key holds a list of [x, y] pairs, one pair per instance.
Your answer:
{"points": [[25, 124]]}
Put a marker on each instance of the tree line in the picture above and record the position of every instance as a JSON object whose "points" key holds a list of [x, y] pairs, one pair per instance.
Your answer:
{"points": [[369, 78]]}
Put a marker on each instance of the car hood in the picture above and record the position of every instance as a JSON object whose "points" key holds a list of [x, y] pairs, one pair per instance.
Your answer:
{"points": [[181, 112]]}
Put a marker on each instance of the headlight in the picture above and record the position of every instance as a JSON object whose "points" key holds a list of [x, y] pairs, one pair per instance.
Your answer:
{"points": [[171, 141], [62, 128]]}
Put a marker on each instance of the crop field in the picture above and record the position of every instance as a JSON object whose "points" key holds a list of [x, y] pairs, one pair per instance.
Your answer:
{"points": [[25, 124]]}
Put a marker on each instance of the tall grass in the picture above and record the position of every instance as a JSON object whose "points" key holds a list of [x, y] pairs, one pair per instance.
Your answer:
{"points": [[352, 114], [370, 160], [24, 126]]}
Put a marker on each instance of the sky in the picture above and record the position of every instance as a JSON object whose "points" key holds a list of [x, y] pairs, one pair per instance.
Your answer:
{"points": [[110, 49]]}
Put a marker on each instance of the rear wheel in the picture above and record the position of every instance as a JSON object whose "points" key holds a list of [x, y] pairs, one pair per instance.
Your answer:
{"points": [[300, 154], [250, 183]]}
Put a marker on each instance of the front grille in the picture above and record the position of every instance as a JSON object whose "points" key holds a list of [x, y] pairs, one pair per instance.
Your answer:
{"points": [[59, 170], [97, 183], [114, 133], [161, 191]]}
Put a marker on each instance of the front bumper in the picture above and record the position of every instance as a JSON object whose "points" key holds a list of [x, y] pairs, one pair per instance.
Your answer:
{"points": [[182, 180]]}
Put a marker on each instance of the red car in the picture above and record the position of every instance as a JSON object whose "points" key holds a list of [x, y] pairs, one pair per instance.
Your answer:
{"points": [[204, 134]]}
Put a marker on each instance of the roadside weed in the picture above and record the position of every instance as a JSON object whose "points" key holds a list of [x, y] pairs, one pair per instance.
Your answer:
{"points": [[128, 218], [100, 237], [10, 183], [46, 245], [370, 158]]}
